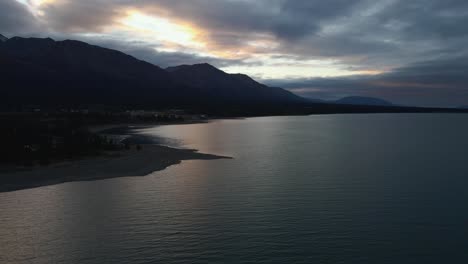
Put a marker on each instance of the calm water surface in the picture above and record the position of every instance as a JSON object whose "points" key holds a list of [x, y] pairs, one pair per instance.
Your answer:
{"points": [[317, 189]]}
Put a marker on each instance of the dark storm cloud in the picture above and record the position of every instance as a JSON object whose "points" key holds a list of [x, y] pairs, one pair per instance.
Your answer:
{"points": [[80, 16], [386, 33], [16, 19], [378, 30], [428, 19], [364, 24], [226, 20]]}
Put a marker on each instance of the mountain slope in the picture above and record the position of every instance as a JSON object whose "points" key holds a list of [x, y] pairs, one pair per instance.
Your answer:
{"points": [[44, 71], [229, 87], [76, 55]]}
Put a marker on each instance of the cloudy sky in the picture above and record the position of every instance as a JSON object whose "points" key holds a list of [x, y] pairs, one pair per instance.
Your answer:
{"points": [[412, 52]]}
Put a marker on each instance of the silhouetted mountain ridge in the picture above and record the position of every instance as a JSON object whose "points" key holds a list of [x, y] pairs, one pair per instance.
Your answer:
{"points": [[210, 80], [44, 71], [77, 55]]}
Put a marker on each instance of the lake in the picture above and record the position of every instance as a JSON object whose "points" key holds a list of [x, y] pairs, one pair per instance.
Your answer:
{"points": [[379, 188]]}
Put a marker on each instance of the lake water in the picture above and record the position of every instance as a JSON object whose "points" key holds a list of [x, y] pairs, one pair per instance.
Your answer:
{"points": [[379, 188]]}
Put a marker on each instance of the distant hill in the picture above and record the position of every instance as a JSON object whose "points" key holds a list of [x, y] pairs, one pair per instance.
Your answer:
{"points": [[3, 38], [361, 100], [44, 71]]}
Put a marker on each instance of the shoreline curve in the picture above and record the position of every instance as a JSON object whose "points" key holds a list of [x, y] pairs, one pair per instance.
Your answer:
{"points": [[126, 163]]}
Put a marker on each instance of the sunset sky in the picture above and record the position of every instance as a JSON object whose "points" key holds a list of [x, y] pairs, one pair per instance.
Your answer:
{"points": [[406, 51]]}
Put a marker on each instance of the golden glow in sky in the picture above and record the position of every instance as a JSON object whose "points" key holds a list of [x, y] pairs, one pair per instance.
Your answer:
{"points": [[35, 5], [160, 29], [173, 35], [259, 54]]}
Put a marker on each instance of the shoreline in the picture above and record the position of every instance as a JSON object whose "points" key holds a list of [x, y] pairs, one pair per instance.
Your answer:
{"points": [[104, 127], [152, 157], [126, 163]]}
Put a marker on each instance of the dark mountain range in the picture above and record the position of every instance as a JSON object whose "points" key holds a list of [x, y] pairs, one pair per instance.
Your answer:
{"points": [[3, 38], [44, 71], [48, 73], [361, 100]]}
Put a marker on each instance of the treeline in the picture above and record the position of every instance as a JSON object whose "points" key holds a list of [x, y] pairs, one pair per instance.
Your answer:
{"points": [[36, 139]]}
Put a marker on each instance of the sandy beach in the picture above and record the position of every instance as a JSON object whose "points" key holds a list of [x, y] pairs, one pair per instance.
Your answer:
{"points": [[123, 163]]}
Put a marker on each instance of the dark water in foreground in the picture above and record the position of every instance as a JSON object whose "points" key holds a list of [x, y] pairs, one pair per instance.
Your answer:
{"points": [[323, 189]]}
